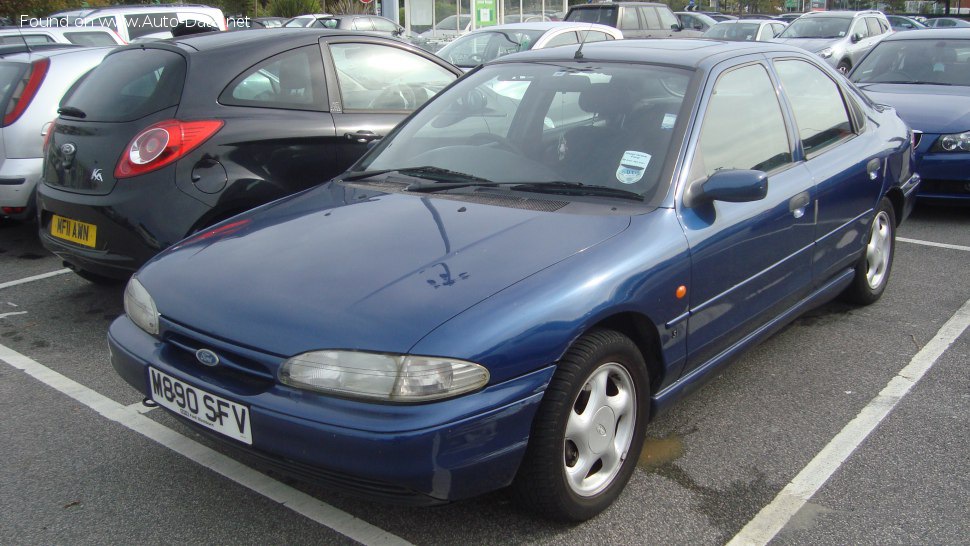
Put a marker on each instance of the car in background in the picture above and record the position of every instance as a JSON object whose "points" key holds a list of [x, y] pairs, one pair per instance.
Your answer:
{"points": [[90, 36], [900, 23], [925, 76], [634, 19], [448, 28], [303, 21], [527, 18], [483, 45], [364, 22], [31, 86], [746, 30], [135, 164], [788, 17], [510, 286], [718, 16], [947, 22], [695, 20], [240, 23], [842, 38], [151, 22]]}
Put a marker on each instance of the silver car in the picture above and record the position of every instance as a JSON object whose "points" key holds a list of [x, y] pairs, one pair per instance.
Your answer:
{"points": [[31, 86], [745, 30], [842, 38]]}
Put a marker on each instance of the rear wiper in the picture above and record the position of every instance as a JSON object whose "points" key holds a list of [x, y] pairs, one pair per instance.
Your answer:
{"points": [[576, 188], [72, 111]]}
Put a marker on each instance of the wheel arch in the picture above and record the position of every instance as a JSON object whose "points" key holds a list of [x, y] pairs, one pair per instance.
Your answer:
{"points": [[641, 330], [898, 200]]}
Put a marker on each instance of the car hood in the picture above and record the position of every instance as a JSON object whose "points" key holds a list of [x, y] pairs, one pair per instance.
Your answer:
{"points": [[350, 268], [811, 44], [926, 108]]}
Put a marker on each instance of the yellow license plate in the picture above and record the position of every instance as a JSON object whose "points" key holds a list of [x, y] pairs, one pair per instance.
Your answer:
{"points": [[74, 231]]}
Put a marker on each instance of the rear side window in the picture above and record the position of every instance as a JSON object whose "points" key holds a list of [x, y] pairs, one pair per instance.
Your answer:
{"points": [[150, 23], [292, 80], [603, 16], [650, 18], [667, 18], [90, 38], [628, 20], [817, 103], [130, 85]]}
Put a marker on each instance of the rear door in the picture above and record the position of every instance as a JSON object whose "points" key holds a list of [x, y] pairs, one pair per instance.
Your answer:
{"points": [[373, 85]]}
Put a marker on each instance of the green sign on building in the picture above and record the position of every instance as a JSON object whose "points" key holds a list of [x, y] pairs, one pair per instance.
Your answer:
{"points": [[486, 13]]}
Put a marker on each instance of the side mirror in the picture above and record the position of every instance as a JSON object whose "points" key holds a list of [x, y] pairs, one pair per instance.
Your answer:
{"points": [[398, 31], [698, 26], [676, 28], [732, 186], [856, 37]]}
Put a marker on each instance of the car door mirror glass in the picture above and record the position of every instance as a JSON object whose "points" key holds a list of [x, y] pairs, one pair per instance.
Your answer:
{"points": [[735, 186]]}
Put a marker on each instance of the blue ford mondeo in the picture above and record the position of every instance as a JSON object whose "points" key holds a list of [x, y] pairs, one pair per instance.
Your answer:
{"points": [[507, 288]]}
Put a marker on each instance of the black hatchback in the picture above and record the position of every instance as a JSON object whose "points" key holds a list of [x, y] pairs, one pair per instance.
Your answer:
{"points": [[164, 139]]}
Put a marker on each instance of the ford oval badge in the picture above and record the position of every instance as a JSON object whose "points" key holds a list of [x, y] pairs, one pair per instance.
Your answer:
{"points": [[68, 148], [207, 357]]}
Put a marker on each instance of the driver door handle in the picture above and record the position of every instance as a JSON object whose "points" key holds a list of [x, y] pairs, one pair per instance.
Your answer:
{"points": [[363, 136], [798, 203]]}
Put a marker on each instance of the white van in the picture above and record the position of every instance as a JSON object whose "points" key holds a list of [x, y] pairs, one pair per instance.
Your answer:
{"points": [[83, 36], [152, 22]]}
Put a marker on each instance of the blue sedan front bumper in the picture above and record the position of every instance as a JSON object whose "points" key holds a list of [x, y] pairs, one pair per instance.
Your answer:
{"points": [[946, 175], [415, 454]]}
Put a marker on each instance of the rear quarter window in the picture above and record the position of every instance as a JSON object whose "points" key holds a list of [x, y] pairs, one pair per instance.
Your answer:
{"points": [[90, 38], [130, 85]]}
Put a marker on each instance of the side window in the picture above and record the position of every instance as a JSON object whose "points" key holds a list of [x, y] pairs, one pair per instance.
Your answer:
{"points": [[291, 80], [628, 20], [379, 77], [150, 23], [36, 39], [595, 36], [363, 23], [90, 38], [743, 127], [860, 28], [873, 24], [667, 18], [650, 18], [566, 38], [383, 25], [817, 103], [885, 26]]}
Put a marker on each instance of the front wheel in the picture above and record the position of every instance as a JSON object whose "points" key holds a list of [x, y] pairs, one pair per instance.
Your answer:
{"points": [[873, 268], [588, 431], [844, 67]]}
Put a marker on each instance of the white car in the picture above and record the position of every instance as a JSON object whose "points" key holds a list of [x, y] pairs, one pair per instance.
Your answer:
{"points": [[150, 22], [70, 34], [489, 43]]}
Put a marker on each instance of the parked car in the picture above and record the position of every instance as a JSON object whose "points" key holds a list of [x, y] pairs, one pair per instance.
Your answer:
{"points": [[900, 23], [718, 16], [947, 22], [635, 19], [842, 38], [31, 85], [151, 22], [135, 164], [368, 23], [925, 76], [526, 18], [77, 35], [490, 43], [695, 20], [303, 21], [508, 288], [741, 30], [240, 23], [449, 27], [787, 18]]}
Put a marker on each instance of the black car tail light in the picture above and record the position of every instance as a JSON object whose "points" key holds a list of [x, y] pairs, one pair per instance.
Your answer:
{"points": [[46, 132], [164, 143], [26, 90]]}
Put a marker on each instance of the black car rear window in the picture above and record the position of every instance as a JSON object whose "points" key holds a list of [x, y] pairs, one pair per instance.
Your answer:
{"points": [[130, 85], [604, 15]]}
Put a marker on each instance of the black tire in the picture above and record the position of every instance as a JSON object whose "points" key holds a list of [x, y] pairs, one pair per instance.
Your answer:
{"points": [[844, 66], [543, 484], [874, 266], [100, 280]]}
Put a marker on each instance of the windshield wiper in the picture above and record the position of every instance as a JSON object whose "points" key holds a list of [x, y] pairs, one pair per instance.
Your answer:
{"points": [[72, 111], [442, 178], [576, 188], [903, 82]]}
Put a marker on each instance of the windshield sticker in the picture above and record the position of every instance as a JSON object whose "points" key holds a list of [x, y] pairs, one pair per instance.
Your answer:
{"points": [[668, 121], [632, 166]]}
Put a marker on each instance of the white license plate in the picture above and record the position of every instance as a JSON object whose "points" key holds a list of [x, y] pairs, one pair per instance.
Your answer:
{"points": [[204, 408]]}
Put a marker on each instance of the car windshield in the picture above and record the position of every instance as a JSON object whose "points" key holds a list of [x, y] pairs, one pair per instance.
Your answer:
{"points": [[733, 31], [817, 27], [939, 62], [451, 23], [545, 126], [480, 47]]}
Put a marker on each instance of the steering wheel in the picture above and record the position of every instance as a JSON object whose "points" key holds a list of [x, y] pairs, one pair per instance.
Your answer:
{"points": [[492, 138], [398, 97]]}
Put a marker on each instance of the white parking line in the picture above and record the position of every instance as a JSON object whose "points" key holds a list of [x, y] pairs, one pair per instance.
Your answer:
{"points": [[931, 243], [301, 503], [773, 518], [34, 278]]}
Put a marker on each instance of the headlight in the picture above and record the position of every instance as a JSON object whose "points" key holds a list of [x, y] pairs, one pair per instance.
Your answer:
{"points": [[140, 307], [957, 142], [826, 53], [375, 376]]}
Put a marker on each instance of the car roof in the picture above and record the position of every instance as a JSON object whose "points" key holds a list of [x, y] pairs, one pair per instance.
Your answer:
{"points": [[6, 31], [545, 26], [606, 4], [34, 54], [275, 37], [751, 21], [688, 53], [932, 34], [840, 13]]}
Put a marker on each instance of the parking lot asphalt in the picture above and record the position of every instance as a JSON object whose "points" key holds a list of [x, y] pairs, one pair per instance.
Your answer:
{"points": [[84, 465]]}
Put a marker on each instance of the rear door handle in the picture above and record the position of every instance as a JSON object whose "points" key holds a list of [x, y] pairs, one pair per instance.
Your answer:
{"points": [[363, 136]]}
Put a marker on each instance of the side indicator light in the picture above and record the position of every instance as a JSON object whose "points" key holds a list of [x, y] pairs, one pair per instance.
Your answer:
{"points": [[681, 292]]}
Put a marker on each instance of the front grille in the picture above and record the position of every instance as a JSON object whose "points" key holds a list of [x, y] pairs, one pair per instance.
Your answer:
{"points": [[243, 370], [510, 201]]}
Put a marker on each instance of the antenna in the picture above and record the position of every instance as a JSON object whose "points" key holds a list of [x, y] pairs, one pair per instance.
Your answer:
{"points": [[579, 52], [20, 32]]}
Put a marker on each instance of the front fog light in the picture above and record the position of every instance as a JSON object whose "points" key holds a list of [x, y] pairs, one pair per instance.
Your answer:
{"points": [[374, 376], [140, 307]]}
